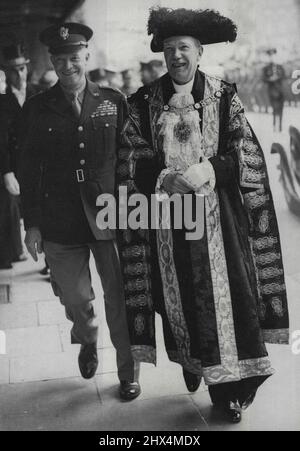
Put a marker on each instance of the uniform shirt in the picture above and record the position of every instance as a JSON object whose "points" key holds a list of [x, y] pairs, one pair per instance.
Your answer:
{"points": [[70, 96]]}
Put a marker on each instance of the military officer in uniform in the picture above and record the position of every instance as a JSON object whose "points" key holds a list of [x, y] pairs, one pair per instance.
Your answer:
{"points": [[273, 77], [68, 160]]}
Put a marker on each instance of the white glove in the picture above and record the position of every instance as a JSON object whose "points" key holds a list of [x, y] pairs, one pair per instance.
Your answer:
{"points": [[11, 184], [201, 174]]}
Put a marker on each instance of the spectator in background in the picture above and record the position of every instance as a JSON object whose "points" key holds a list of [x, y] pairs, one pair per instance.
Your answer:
{"points": [[273, 76], [146, 76], [17, 91], [157, 69], [98, 76], [131, 83], [114, 78], [152, 70], [5, 202]]}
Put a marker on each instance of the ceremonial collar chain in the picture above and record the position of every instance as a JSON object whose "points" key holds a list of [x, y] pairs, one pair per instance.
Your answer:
{"points": [[196, 106]]}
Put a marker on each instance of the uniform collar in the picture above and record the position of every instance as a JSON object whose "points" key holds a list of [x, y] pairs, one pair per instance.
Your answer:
{"points": [[93, 96], [80, 93], [56, 100]]}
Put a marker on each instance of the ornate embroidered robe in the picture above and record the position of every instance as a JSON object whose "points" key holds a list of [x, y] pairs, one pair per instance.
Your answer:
{"points": [[222, 297]]}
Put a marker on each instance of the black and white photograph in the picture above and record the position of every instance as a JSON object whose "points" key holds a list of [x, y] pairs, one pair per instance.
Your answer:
{"points": [[150, 217]]}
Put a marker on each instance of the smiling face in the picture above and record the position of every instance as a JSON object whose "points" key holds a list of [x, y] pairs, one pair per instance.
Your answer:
{"points": [[71, 67], [182, 55]]}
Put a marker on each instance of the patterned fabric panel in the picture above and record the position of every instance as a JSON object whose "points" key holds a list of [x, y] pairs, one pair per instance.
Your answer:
{"points": [[264, 235], [252, 167], [135, 249], [217, 258], [265, 242]]}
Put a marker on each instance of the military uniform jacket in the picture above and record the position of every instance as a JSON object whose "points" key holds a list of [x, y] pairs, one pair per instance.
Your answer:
{"points": [[67, 162]]}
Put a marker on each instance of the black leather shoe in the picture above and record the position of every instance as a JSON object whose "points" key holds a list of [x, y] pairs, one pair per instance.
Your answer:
{"points": [[88, 360], [129, 390], [192, 381], [233, 412]]}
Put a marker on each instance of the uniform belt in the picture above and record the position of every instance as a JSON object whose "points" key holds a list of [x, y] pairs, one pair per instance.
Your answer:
{"points": [[80, 175], [83, 175]]}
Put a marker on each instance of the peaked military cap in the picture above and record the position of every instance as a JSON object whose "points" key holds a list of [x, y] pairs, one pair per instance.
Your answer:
{"points": [[208, 26], [271, 51], [96, 75], [66, 37], [156, 63]]}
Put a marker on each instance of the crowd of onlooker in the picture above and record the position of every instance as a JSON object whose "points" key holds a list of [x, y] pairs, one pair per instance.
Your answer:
{"points": [[247, 73], [130, 80]]}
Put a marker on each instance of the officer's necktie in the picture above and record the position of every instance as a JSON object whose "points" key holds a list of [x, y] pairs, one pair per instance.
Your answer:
{"points": [[76, 105]]}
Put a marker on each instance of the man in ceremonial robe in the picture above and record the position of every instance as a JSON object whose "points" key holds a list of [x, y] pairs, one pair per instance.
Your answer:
{"points": [[223, 296]]}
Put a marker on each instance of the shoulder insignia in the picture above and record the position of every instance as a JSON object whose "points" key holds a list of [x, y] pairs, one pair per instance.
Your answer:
{"points": [[109, 88]]}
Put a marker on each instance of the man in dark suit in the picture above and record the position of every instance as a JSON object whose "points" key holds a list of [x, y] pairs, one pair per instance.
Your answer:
{"points": [[68, 160], [5, 198], [17, 91]]}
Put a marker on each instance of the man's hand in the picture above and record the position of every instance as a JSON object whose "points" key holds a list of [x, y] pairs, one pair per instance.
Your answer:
{"points": [[11, 184], [175, 183], [33, 242]]}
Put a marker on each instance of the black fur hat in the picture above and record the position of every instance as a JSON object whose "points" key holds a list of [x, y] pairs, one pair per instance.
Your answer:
{"points": [[208, 26]]}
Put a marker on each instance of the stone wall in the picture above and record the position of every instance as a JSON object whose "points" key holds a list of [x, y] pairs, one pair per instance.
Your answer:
{"points": [[121, 39]]}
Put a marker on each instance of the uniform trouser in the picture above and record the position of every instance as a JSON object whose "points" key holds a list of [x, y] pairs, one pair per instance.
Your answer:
{"points": [[71, 281]]}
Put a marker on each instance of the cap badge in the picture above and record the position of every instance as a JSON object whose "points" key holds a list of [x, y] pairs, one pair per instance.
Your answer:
{"points": [[64, 33]]}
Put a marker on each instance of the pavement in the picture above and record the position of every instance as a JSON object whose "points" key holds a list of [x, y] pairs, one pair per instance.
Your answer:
{"points": [[40, 385]]}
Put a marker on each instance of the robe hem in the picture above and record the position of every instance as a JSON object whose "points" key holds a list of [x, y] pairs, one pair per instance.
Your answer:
{"points": [[276, 336], [220, 374], [146, 354]]}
